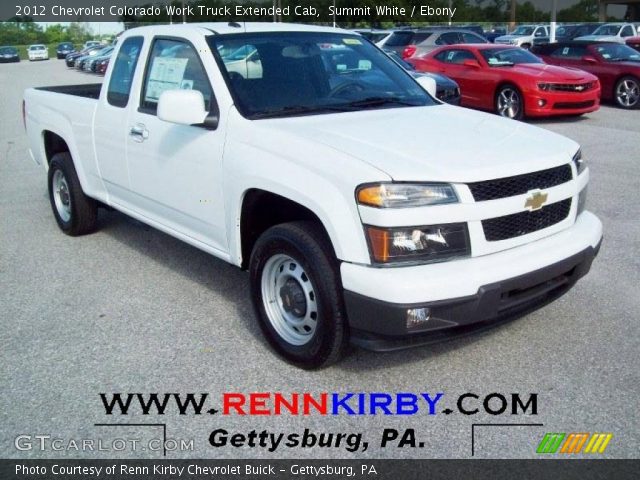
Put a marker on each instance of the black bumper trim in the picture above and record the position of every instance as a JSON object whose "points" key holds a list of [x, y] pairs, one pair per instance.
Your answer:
{"points": [[381, 326]]}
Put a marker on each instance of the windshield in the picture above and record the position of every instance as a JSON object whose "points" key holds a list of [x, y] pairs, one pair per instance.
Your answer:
{"points": [[8, 50], [65, 45], [300, 73], [522, 30], [617, 53], [501, 57], [607, 30], [37, 47]]}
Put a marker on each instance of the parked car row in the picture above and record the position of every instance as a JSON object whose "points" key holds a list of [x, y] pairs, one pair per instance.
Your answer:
{"points": [[92, 59]]}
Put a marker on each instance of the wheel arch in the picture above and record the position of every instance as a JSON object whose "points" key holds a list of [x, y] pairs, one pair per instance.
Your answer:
{"points": [[262, 209]]}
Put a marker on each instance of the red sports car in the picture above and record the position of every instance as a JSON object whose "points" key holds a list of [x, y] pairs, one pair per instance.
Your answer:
{"points": [[634, 42], [616, 66], [512, 82]]}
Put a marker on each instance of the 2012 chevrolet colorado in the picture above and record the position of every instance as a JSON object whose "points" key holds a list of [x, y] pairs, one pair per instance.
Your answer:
{"points": [[363, 208]]}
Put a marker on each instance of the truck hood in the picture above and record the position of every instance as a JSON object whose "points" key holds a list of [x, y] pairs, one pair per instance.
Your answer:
{"points": [[600, 38], [435, 143], [505, 38]]}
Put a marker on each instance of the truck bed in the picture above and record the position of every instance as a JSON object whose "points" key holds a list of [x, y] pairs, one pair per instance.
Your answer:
{"points": [[91, 90]]}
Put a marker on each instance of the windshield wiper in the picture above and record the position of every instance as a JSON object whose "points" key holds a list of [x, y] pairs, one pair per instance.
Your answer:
{"points": [[380, 101], [292, 110]]}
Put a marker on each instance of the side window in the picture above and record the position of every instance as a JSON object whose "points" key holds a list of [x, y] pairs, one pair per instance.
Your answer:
{"points": [[455, 56], [123, 70], [450, 38], [575, 52], [627, 31], [172, 65], [471, 38]]}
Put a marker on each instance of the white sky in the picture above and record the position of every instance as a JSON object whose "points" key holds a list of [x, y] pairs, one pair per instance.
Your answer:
{"points": [[97, 27]]}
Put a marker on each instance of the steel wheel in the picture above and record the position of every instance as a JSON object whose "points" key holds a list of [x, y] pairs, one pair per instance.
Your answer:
{"points": [[289, 299], [628, 92], [61, 196], [509, 103]]}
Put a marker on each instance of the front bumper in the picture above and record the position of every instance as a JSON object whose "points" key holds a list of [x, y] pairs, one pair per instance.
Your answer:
{"points": [[558, 103], [466, 295]]}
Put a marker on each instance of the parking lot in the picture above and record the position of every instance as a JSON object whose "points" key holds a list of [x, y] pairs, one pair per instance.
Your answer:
{"points": [[130, 309]]}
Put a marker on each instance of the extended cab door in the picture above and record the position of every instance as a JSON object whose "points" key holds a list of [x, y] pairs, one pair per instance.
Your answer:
{"points": [[110, 137], [175, 170]]}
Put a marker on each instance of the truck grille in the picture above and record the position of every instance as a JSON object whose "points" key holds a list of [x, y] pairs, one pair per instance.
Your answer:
{"points": [[522, 223], [519, 184]]}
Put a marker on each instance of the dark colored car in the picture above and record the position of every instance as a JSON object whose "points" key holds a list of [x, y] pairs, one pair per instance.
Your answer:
{"points": [[9, 54], [101, 67], [447, 90], [494, 33], [90, 64], [81, 61], [70, 59], [616, 66], [634, 42], [63, 49], [566, 33]]}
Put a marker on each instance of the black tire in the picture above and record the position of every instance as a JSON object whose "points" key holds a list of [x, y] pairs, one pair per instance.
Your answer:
{"points": [[626, 92], [307, 244], [82, 210], [509, 90]]}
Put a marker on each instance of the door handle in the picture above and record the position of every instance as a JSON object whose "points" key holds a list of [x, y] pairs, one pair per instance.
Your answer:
{"points": [[139, 132]]}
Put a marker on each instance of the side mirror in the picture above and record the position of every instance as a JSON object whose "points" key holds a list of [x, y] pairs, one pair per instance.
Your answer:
{"points": [[184, 107], [589, 59], [471, 63], [428, 83]]}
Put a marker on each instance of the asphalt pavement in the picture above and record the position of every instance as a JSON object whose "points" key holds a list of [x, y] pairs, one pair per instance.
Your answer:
{"points": [[130, 309]]}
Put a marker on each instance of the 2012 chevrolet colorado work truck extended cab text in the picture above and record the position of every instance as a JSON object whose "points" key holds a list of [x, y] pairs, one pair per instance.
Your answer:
{"points": [[363, 208]]}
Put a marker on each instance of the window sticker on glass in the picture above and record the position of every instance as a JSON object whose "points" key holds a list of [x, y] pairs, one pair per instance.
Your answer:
{"points": [[352, 41], [364, 64], [565, 51], [166, 74]]}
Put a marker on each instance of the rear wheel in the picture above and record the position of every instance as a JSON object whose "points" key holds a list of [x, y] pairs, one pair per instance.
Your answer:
{"points": [[509, 102], [75, 213], [627, 92], [297, 294]]}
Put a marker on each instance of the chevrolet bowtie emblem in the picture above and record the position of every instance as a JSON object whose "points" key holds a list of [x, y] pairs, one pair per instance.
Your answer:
{"points": [[536, 200]]}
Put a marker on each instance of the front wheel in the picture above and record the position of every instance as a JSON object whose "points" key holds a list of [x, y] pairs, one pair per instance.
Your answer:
{"points": [[509, 103], [297, 294], [627, 92]]}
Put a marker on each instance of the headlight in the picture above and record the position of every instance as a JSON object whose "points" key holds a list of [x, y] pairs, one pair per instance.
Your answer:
{"points": [[579, 162], [418, 244], [405, 195]]}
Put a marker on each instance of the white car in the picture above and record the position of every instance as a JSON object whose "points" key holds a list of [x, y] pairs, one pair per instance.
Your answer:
{"points": [[38, 52], [523, 35], [612, 32], [364, 209]]}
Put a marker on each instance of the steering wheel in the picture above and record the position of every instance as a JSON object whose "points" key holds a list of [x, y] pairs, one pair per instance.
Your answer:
{"points": [[235, 76], [346, 88]]}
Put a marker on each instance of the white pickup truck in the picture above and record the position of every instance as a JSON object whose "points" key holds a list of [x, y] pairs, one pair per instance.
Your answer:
{"points": [[364, 209]]}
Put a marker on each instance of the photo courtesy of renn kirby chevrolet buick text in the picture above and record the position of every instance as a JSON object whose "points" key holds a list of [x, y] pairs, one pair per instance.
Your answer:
{"points": [[309, 157]]}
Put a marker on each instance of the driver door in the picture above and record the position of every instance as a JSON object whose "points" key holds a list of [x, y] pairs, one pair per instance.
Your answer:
{"points": [[176, 170]]}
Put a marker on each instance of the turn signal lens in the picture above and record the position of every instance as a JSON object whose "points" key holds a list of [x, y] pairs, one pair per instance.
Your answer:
{"points": [[405, 195]]}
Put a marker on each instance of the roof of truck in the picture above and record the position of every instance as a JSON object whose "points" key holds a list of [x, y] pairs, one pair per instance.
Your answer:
{"points": [[244, 27]]}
